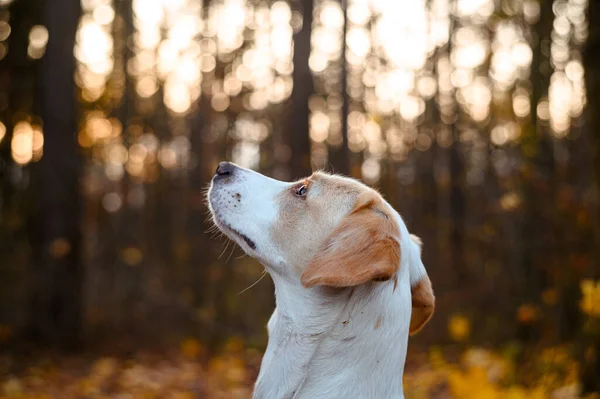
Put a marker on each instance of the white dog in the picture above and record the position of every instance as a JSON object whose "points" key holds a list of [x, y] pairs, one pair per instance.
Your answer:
{"points": [[349, 282]]}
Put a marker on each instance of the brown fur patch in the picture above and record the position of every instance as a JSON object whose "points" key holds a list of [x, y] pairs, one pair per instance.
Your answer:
{"points": [[423, 304], [378, 322], [364, 247]]}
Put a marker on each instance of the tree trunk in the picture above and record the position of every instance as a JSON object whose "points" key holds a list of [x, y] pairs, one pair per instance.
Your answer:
{"points": [[536, 161], [57, 298], [540, 64], [298, 138], [457, 206], [591, 364], [340, 156], [457, 189]]}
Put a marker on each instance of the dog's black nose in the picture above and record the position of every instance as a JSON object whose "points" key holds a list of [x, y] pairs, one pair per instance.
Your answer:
{"points": [[225, 169]]}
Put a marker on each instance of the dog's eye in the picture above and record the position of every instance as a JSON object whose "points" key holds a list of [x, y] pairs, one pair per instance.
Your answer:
{"points": [[300, 191]]}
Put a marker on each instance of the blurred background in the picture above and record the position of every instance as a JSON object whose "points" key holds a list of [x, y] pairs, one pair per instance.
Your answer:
{"points": [[477, 119]]}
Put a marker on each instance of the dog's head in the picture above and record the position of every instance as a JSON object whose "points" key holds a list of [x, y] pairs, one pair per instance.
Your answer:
{"points": [[324, 230]]}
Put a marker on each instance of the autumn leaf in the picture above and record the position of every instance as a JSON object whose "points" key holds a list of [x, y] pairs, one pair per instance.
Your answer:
{"points": [[191, 348], [459, 327], [527, 314], [5, 333], [590, 302], [550, 297], [132, 256]]}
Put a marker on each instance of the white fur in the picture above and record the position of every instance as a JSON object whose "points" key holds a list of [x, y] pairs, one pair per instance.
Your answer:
{"points": [[324, 343]]}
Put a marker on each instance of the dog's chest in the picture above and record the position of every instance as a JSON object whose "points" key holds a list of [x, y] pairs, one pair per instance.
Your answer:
{"points": [[360, 353]]}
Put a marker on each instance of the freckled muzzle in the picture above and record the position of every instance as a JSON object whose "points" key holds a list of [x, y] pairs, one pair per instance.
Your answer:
{"points": [[222, 200]]}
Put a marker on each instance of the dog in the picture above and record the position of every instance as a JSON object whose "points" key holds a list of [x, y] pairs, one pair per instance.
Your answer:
{"points": [[350, 285]]}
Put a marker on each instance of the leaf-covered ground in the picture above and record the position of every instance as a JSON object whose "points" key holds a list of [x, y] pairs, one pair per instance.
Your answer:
{"points": [[187, 373]]}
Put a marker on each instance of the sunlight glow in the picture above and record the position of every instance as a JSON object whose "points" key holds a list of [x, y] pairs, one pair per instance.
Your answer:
{"points": [[566, 94], [94, 51], [458, 56], [38, 38], [27, 143]]}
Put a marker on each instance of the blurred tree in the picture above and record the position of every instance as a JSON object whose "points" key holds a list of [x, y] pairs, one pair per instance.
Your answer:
{"points": [[591, 355], [340, 156], [540, 62], [592, 63], [57, 298], [457, 206], [536, 167], [298, 140], [199, 175], [457, 190]]}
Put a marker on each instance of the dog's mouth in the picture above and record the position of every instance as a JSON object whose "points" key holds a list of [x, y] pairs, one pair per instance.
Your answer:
{"points": [[231, 231]]}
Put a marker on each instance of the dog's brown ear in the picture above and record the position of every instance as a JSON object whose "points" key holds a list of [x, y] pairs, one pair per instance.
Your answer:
{"points": [[364, 247], [423, 304]]}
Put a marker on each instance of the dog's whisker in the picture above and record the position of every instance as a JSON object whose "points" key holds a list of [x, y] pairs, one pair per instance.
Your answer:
{"points": [[264, 273], [231, 253], [226, 246], [217, 235], [212, 229]]}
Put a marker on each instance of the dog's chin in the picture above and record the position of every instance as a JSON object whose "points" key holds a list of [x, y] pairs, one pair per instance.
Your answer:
{"points": [[243, 240]]}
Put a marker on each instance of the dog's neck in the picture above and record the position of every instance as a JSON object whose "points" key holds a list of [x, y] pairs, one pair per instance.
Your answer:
{"points": [[326, 343]]}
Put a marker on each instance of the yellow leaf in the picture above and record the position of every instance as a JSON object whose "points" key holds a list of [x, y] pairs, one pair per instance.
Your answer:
{"points": [[12, 388], [510, 201], [527, 314], [459, 327], [191, 348], [234, 345], [131, 256], [436, 358], [590, 301], [182, 395], [5, 333], [550, 297], [59, 248]]}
